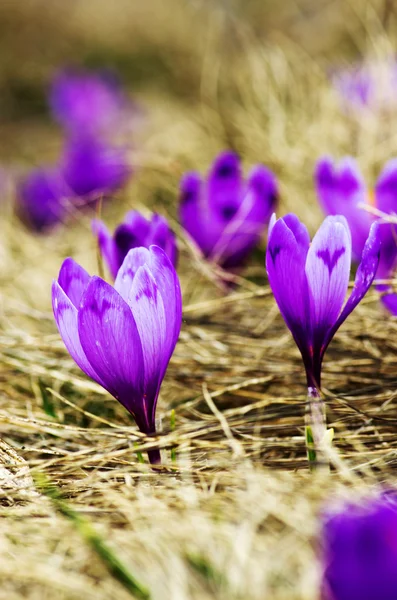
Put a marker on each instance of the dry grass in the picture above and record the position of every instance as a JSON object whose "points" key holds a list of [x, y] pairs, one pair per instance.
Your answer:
{"points": [[233, 512]]}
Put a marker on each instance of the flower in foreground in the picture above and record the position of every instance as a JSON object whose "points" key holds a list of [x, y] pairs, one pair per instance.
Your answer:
{"points": [[225, 215], [360, 551], [310, 281], [341, 190], [133, 232], [123, 336], [88, 102]]}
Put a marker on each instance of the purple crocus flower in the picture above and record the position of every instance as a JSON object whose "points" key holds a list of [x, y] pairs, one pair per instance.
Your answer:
{"points": [[41, 198], [370, 85], [88, 102], [360, 551], [310, 282], [134, 231], [341, 190], [123, 336], [225, 215], [92, 167]]}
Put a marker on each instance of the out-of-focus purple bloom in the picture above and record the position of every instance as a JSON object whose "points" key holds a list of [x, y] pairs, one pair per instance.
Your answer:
{"points": [[88, 102], [341, 190], [41, 198], [123, 336], [369, 85], [225, 215], [92, 167], [360, 551], [133, 232], [310, 282]]}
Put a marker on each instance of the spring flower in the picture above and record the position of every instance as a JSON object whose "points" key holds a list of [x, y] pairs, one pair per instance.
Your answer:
{"points": [[92, 167], [310, 282], [41, 198], [360, 551], [134, 231], [341, 190], [370, 85], [123, 336], [88, 102], [225, 215]]}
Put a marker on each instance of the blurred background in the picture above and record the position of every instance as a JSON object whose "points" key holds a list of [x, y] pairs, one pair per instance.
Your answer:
{"points": [[254, 76]]}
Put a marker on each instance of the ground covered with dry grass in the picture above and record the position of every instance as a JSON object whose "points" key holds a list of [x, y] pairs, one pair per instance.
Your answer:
{"points": [[233, 511]]}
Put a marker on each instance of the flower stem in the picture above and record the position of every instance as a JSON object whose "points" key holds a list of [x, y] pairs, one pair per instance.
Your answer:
{"points": [[154, 456], [315, 430]]}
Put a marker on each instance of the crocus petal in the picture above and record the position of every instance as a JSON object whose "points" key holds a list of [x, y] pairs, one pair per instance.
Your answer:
{"points": [[262, 182], [167, 282], [386, 188], [162, 236], [137, 257], [147, 307], [328, 270], [106, 245], [65, 313], [90, 166], [42, 198], [285, 263], [341, 189], [87, 101], [364, 278], [105, 323], [73, 279], [195, 215], [223, 185]]}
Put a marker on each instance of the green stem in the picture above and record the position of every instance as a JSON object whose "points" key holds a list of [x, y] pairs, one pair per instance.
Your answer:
{"points": [[315, 430]]}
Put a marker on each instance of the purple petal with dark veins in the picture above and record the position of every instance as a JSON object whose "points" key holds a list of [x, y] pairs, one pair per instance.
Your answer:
{"points": [[148, 309], [73, 279], [111, 343], [137, 257], [285, 263], [328, 270], [65, 314]]}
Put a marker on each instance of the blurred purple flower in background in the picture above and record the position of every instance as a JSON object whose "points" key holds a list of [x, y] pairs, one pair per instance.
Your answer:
{"points": [[225, 215], [133, 232], [92, 168], [89, 102], [310, 282], [42, 198], [123, 336], [360, 551], [93, 109], [370, 85], [341, 190]]}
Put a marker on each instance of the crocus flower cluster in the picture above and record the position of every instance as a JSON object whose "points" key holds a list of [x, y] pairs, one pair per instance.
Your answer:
{"points": [[123, 336], [360, 551], [310, 282], [341, 190], [91, 165], [225, 215], [133, 232], [370, 85]]}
